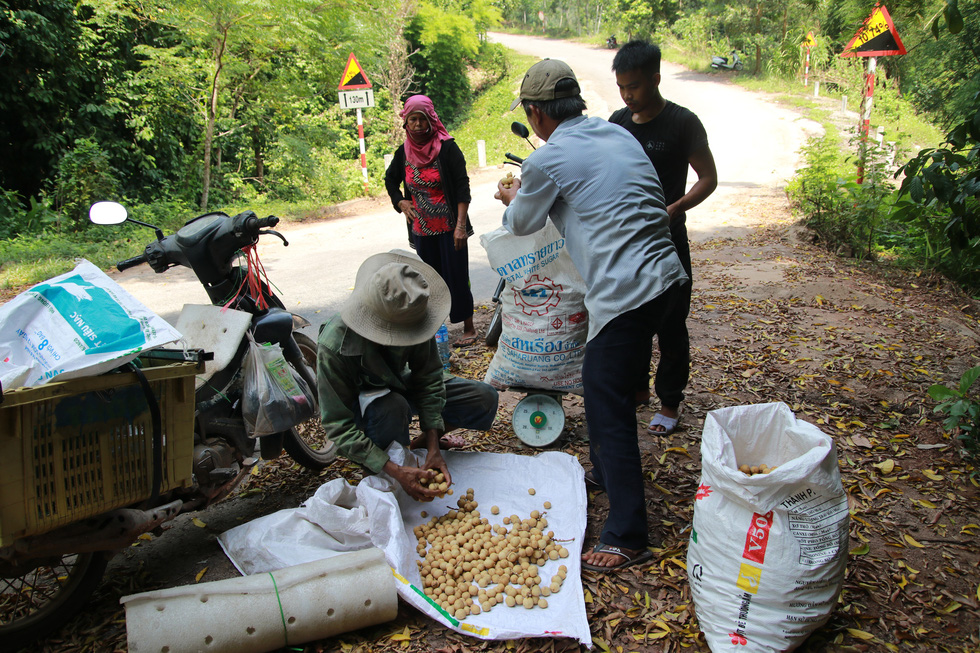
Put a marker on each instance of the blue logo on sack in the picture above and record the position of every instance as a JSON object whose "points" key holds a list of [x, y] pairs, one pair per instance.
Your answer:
{"points": [[96, 317]]}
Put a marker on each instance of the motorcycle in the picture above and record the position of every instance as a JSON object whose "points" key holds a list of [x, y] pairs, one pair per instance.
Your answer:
{"points": [[47, 576], [722, 63], [612, 43]]}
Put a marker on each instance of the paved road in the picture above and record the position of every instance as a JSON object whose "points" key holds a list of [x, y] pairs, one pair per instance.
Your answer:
{"points": [[754, 141]]}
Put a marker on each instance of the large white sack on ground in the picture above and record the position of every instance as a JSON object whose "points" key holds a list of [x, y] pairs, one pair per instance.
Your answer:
{"points": [[545, 323], [80, 323], [377, 512], [768, 552]]}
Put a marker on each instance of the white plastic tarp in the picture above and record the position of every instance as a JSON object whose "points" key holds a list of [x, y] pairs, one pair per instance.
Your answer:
{"points": [[377, 512]]}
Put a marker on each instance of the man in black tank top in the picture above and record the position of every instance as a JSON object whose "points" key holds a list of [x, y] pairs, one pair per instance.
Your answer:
{"points": [[674, 138]]}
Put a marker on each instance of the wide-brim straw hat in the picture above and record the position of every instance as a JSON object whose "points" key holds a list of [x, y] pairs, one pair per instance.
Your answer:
{"points": [[398, 300]]}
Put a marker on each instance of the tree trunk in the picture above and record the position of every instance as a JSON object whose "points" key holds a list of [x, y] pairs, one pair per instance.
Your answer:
{"points": [[399, 73], [212, 117], [259, 159]]}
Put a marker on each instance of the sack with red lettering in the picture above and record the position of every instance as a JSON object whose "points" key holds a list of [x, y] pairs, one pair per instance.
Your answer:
{"points": [[767, 552], [545, 323]]}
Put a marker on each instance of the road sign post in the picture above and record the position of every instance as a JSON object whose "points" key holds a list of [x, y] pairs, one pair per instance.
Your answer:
{"points": [[808, 43], [877, 37], [355, 93]]}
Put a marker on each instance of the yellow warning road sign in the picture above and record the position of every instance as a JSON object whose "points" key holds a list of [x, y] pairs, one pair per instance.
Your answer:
{"points": [[810, 41], [354, 77], [876, 38]]}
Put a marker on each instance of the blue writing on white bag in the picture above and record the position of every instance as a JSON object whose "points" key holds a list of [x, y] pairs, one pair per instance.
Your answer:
{"points": [[101, 323]]}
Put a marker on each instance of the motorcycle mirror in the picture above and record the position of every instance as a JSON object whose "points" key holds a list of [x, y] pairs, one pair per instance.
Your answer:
{"points": [[519, 129], [107, 213]]}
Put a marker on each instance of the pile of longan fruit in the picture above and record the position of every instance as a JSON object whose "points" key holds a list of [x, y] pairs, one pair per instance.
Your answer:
{"points": [[752, 470], [469, 566], [508, 180]]}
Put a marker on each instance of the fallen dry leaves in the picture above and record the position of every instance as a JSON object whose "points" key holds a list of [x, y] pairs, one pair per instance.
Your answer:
{"points": [[851, 351]]}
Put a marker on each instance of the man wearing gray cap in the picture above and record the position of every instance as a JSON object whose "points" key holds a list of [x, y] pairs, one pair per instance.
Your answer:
{"points": [[377, 366], [601, 191]]}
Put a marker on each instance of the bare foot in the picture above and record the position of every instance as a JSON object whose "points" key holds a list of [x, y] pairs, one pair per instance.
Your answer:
{"points": [[468, 336], [607, 560]]}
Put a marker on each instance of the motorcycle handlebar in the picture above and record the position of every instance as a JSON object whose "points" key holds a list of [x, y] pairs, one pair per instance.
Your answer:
{"points": [[264, 223], [514, 158], [131, 262]]}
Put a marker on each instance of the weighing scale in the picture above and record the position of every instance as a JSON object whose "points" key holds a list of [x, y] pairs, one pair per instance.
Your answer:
{"points": [[538, 418]]}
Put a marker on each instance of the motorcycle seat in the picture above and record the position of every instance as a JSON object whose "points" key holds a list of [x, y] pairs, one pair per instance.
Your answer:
{"points": [[213, 329]]}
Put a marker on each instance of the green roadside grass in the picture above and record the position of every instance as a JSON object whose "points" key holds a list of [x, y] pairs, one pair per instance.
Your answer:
{"points": [[489, 118], [30, 259]]}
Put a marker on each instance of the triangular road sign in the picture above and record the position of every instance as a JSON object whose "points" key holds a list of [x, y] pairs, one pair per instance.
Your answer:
{"points": [[354, 77], [810, 41], [876, 38]]}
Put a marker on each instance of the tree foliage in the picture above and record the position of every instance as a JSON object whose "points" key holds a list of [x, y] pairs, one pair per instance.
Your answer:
{"points": [[444, 42], [206, 101]]}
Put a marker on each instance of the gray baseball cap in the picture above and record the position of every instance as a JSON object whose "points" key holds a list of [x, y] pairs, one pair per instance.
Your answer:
{"points": [[540, 81]]}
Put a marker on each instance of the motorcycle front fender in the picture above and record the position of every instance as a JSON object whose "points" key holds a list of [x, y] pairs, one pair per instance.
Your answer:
{"points": [[300, 322]]}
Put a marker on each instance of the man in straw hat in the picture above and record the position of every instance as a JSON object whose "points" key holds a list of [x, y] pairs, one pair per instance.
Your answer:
{"points": [[600, 189], [377, 366]]}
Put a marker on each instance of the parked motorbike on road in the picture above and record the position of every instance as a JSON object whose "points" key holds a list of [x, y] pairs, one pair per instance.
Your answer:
{"points": [[210, 245], [722, 63], [46, 575]]}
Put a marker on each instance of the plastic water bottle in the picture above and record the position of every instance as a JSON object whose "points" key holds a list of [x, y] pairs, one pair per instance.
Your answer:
{"points": [[442, 344]]}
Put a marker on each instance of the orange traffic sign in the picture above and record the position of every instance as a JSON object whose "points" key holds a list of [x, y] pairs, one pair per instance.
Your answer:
{"points": [[810, 41], [876, 38], [354, 77]]}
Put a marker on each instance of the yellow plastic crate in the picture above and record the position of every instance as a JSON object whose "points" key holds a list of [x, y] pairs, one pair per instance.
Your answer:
{"points": [[78, 448]]}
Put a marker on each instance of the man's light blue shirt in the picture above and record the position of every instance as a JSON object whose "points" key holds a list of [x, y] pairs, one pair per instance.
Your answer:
{"points": [[601, 191]]}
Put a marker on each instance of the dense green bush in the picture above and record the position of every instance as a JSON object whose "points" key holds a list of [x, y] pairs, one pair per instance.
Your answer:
{"points": [[84, 176], [444, 43], [16, 219], [961, 405]]}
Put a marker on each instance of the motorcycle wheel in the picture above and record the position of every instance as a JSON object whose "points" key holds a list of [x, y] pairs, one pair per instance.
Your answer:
{"points": [[36, 602], [738, 66], [496, 326], [307, 443]]}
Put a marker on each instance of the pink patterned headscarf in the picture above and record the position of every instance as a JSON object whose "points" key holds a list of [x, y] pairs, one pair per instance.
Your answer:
{"points": [[424, 151]]}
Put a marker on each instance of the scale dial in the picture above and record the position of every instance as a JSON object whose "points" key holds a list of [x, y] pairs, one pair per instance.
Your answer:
{"points": [[538, 420]]}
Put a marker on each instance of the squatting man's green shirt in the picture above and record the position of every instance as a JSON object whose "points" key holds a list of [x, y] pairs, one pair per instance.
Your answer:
{"points": [[349, 365]]}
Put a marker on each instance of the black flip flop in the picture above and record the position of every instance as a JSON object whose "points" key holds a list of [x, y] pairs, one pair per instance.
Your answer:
{"points": [[628, 560]]}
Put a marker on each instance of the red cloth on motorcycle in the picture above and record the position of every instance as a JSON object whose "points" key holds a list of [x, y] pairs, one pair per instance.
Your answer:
{"points": [[423, 150]]}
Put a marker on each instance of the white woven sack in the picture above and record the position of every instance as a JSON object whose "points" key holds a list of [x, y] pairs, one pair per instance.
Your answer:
{"points": [[80, 323], [768, 552], [545, 323]]}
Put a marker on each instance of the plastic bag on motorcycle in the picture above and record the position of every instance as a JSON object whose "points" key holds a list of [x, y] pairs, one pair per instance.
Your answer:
{"points": [[275, 398]]}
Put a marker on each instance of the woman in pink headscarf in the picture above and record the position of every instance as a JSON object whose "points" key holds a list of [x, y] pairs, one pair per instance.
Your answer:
{"points": [[427, 181]]}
